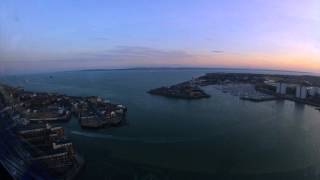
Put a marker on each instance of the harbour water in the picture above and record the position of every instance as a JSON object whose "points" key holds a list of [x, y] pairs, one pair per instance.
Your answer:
{"points": [[221, 136]]}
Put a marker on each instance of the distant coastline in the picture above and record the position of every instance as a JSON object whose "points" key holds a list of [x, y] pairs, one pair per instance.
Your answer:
{"points": [[192, 68]]}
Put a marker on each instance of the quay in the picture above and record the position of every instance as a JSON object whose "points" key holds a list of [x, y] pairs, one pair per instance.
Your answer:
{"points": [[32, 140], [95, 112], [259, 98], [91, 111]]}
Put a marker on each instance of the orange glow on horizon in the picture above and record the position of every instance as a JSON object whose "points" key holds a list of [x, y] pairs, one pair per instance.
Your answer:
{"points": [[300, 62]]}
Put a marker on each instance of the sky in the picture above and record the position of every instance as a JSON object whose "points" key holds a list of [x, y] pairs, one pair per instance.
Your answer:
{"points": [[57, 35]]}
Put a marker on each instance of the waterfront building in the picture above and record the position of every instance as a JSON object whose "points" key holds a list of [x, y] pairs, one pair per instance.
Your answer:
{"points": [[56, 161], [281, 88], [48, 146], [312, 91], [40, 133], [298, 91], [278, 88], [303, 92], [317, 89]]}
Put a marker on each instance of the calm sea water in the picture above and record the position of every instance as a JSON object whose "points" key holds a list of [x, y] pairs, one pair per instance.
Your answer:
{"points": [[220, 137]]}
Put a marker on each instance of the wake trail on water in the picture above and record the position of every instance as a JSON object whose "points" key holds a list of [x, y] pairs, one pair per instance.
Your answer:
{"points": [[155, 140]]}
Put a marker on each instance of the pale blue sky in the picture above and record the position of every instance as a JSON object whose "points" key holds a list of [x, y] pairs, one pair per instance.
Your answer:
{"points": [[76, 34]]}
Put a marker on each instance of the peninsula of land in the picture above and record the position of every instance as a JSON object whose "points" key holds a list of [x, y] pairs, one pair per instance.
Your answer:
{"points": [[185, 90]]}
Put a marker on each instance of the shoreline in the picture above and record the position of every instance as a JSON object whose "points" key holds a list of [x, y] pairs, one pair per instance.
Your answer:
{"points": [[263, 83]]}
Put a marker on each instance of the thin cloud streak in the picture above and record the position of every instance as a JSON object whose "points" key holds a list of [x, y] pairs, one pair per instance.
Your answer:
{"points": [[217, 51]]}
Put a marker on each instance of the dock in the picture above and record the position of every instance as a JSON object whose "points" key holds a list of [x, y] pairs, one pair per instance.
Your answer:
{"points": [[258, 98]]}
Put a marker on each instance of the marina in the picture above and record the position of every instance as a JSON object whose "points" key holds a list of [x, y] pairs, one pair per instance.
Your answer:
{"points": [[252, 87]]}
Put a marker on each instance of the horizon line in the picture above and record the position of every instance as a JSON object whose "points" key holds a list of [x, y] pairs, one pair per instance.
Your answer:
{"points": [[164, 68]]}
